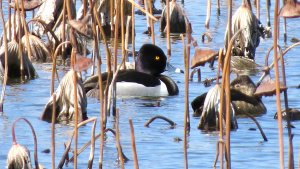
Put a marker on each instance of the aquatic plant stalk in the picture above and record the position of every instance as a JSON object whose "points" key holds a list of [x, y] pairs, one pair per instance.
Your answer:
{"points": [[122, 30], [186, 100], [284, 26], [268, 12], [118, 143], [208, 12], [135, 159], [151, 22], [168, 30], [258, 9], [9, 21], [278, 103], [218, 8], [53, 132], [91, 158], [142, 9], [26, 31], [36, 163], [5, 59], [73, 61], [133, 31], [172, 123]]}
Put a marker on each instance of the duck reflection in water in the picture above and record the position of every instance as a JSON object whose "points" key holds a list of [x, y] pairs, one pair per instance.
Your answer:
{"points": [[145, 80], [243, 101]]}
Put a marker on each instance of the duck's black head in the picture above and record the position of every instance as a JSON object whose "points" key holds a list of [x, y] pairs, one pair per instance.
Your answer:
{"points": [[151, 60]]}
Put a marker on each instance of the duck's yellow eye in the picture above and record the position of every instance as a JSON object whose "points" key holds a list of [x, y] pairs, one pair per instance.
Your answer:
{"points": [[157, 58]]}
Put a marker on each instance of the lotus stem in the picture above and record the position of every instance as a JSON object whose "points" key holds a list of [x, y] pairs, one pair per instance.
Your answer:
{"points": [[91, 158], [151, 22], [142, 9], [34, 139], [118, 143], [258, 126], [168, 29], [218, 7], [26, 31], [122, 30], [186, 100], [208, 11], [172, 124], [135, 159], [133, 31], [53, 132], [278, 103], [6, 59], [258, 9]]}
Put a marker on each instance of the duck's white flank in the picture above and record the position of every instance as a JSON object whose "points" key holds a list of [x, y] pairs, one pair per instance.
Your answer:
{"points": [[135, 89]]}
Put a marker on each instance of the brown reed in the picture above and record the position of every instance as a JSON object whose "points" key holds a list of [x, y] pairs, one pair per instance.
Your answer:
{"points": [[118, 143], [53, 132], [168, 30], [5, 59], [172, 123], [135, 159], [278, 103], [208, 12], [133, 31]]}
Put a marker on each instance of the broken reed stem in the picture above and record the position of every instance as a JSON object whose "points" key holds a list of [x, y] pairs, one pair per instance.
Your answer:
{"points": [[91, 158], [53, 132], [5, 58], [277, 82], [127, 38], [284, 25], [258, 126], [151, 22], [20, 48], [135, 159], [111, 13], [54, 65], [118, 143], [218, 8], [268, 13], [168, 30], [36, 163], [73, 61], [258, 9], [122, 31], [186, 100], [142, 9], [9, 22], [208, 12], [63, 35], [147, 18], [172, 124], [116, 54], [133, 31], [26, 31]]}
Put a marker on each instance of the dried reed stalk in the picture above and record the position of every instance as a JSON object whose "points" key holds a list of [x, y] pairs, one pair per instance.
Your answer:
{"points": [[151, 22], [91, 158], [118, 143], [208, 13], [142, 9], [73, 61], [168, 30], [186, 100], [258, 9], [277, 82], [133, 31], [26, 31], [123, 31], [172, 123], [5, 59], [53, 132], [135, 159]]}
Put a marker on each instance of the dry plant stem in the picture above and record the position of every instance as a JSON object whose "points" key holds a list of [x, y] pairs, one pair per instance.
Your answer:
{"points": [[6, 60], [258, 9], [172, 124], [151, 22], [63, 35], [219, 149], [168, 30], [268, 13], [187, 63], [133, 32], [142, 9], [20, 53], [118, 143], [114, 133], [122, 30], [111, 11], [226, 86], [146, 4], [73, 61], [26, 31], [278, 103], [258, 126], [9, 21], [65, 154], [54, 65], [218, 7], [186, 100], [208, 11], [53, 132], [36, 163], [284, 26], [221, 139], [116, 54], [135, 159], [198, 71], [91, 158], [127, 37]]}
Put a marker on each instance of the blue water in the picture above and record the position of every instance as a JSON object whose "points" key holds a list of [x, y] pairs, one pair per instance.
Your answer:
{"points": [[155, 145]]}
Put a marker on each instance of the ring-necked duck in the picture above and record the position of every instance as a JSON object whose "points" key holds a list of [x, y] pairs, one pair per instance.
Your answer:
{"points": [[242, 101], [144, 80]]}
